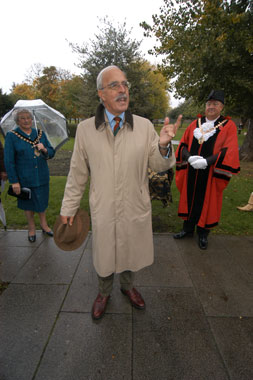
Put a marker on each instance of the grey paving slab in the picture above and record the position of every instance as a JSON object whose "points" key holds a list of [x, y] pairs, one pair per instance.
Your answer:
{"points": [[18, 238], [197, 324], [3, 232], [222, 285], [28, 313], [234, 337], [80, 349], [172, 339], [168, 268], [12, 259], [50, 265], [241, 249], [84, 290]]}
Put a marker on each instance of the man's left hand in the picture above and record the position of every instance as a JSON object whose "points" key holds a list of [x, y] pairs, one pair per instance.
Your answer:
{"points": [[168, 131]]}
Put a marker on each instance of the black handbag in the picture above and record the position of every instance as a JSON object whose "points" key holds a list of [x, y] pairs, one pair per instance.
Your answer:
{"points": [[25, 193]]}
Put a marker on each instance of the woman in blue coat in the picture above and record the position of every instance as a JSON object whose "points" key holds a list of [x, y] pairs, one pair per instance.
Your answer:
{"points": [[26, 153]]}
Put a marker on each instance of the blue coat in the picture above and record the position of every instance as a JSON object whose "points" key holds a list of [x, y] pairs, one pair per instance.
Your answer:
{"points": [[22, 165]]}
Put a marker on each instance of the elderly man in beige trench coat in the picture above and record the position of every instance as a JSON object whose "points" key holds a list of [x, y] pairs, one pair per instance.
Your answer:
{"points": [[116, 155]]}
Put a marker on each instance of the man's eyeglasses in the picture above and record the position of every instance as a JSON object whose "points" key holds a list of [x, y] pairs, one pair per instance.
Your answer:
{"points": [[116, 85]]}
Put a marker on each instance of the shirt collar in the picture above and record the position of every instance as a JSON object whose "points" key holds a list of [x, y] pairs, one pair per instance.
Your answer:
{"points": [[111, 116]]}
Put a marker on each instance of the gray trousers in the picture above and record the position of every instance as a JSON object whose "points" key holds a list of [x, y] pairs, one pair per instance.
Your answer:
{"points": [[106, 283]]}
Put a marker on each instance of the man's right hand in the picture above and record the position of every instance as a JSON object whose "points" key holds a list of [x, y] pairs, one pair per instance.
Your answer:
{"points": [[67, 219]]}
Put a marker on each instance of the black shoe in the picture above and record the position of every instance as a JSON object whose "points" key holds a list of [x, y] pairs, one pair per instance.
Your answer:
{"points": [[49, 233], [32, 238], [203, 243], [182, 234]]}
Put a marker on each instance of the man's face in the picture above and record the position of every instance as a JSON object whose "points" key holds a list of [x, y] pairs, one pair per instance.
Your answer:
{"points": [[213, 109], [115, 92]]}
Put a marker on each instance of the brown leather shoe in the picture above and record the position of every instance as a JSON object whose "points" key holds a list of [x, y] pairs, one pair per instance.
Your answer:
{"points": [[99, 306], [135, 298]]}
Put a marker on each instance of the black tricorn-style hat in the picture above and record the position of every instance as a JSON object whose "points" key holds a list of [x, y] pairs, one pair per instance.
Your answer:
{"points": [[216, 95]]}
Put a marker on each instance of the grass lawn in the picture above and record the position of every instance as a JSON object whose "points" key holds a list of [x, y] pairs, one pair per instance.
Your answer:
{"points": [[232, 220]]}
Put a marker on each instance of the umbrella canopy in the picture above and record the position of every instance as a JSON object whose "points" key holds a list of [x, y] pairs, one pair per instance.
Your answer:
{"points": [[52, 122]]}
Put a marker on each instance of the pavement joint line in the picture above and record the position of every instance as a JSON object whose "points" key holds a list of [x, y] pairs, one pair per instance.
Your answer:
{"points": [[59, 312], [218, 350]]}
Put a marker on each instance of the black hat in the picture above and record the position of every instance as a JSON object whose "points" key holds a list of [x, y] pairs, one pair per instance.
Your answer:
{"points": [[216, 95]]}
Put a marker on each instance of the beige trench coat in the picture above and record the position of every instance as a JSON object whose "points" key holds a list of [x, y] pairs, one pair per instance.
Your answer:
{"points": [[119, 198]]}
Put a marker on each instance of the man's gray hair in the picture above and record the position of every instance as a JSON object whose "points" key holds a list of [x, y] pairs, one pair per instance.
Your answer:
{"points": [[19, 111], [100, 76]]}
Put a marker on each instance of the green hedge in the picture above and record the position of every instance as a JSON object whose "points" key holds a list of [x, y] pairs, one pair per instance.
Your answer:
{"points": [[72, 130]]}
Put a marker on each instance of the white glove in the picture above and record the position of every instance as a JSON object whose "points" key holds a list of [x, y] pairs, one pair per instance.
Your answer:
{"points": [[201, 163], [192, 159]]}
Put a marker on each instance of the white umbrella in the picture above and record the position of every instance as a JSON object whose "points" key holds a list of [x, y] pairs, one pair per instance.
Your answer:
{"points": [[51, 121]]}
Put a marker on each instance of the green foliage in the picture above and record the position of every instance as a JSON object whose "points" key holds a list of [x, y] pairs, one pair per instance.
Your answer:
{"points": [[189, 109], [72, 130], [6, 103], [56, 87], [207, 44], [71, 93], [114, 46], [148, 95]]}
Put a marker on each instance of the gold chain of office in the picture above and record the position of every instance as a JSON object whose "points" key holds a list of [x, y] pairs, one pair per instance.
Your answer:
{"points": [[201, 139], [34, 142]]}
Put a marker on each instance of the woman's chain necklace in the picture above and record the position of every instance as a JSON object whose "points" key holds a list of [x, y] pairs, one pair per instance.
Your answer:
{"points": [[26, 139]]}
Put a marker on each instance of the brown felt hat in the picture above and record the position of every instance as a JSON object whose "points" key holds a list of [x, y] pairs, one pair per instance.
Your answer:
{"points": [[69, 238]]}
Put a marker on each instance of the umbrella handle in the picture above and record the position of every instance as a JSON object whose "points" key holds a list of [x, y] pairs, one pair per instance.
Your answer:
{"points": [[35, 123]]}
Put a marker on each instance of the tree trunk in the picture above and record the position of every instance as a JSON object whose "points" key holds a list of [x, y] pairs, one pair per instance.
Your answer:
{"points": [[246, 150]]}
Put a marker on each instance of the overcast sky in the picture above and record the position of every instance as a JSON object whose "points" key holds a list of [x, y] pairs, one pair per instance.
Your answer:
{"points": [[37, 32]]}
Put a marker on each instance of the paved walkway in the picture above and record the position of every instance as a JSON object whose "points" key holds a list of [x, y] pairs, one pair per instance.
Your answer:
{"points": [[198, 323]]}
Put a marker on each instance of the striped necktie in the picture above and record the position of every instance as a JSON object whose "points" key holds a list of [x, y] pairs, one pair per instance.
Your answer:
{"points": [[116, 126]]}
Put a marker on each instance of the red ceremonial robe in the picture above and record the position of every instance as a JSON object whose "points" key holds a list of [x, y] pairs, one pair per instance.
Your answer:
{"points": [[201, 190]]}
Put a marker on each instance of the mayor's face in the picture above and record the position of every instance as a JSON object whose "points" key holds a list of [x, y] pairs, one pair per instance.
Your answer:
{"points": [[115, 92], [213, 109], [25, 121]]}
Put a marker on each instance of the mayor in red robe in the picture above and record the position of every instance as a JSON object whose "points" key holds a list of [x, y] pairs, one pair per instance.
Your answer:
{"points": [[206, 159]]}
